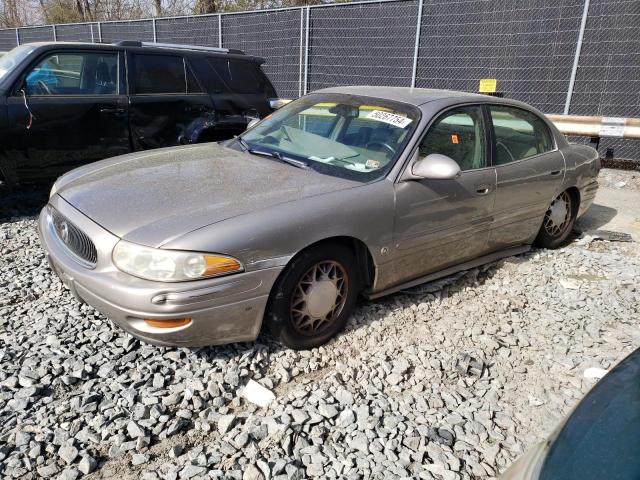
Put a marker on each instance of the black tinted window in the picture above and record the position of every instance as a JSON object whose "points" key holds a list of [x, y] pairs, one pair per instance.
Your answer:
{"points": [[192, 83], [159, 74], [240, 75], [519, 134]]}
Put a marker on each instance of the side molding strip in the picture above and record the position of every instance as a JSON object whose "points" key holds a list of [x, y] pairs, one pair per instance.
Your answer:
{"points": [[492, 257]]}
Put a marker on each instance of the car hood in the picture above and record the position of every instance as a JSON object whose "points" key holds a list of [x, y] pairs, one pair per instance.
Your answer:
{"points": [[151, 198]]}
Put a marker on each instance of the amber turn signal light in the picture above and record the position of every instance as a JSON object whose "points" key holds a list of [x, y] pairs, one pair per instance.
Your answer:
{"points": [[167, 323]]}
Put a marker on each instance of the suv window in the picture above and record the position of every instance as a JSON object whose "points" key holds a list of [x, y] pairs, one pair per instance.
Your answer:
{"points": [[459, 134], [155, 74], [519, 134], [93, 73], [240, 75]]}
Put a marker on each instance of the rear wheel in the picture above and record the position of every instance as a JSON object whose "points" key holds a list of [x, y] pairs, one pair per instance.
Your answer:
{"points": [[558, 221], [312, 300]]}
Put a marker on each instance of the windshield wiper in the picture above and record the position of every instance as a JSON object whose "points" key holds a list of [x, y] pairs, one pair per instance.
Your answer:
{"points": [[282, 158], [245, 146], [277, 155]]}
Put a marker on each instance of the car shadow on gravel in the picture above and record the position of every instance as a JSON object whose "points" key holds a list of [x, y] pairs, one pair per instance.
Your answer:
{"points": [[27, 202]]}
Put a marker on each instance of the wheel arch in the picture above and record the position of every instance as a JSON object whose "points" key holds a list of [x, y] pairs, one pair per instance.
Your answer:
{"points": [[362, 254], [575, 195]]}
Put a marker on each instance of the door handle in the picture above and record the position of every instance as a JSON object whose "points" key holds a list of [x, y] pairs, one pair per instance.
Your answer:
{"points": [[482, 189], [555, 173], [113, 111]]}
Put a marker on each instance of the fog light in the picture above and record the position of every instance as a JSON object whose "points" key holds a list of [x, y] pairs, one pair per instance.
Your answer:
{"points": [[167, 323]]}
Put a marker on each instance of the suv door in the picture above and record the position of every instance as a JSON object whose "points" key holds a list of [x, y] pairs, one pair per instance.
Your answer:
{"points": [[167, 104], [529, 170], [439, 223], [68, 109]]}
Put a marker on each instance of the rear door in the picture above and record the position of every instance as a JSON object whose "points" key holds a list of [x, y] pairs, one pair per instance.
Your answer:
{"points": [[68, 109], [440, 223], [529, 170], [168, 106]]}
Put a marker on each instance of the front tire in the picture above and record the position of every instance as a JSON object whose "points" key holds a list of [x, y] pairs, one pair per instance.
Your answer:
{"points": [[314, 297], [558, 221]]}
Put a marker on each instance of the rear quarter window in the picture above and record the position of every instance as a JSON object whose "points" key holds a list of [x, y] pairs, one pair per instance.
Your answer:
{"points": [[241, 76]]}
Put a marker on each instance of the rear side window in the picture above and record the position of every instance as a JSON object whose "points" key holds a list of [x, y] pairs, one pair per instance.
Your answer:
{"points": [[155, 74], [242, 76], [519, 134], [81, 73]]}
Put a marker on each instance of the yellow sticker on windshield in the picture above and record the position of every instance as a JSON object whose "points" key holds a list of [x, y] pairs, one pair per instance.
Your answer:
{"points": [[390, 118]]}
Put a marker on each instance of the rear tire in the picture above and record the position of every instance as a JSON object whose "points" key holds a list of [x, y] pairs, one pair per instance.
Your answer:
{"points": [[314, 297], [558, 221]]}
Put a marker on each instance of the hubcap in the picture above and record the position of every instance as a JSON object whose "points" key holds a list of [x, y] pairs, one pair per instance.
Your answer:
{"points": [[558, 216], [319, 297]]}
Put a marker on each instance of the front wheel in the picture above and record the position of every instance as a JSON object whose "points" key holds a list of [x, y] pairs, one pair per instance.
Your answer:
{"points": [[558, 221], [312, 300]]}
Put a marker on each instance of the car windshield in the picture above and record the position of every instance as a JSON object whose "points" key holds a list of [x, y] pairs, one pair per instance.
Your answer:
{"points": [[349, 136], [13, 58]]}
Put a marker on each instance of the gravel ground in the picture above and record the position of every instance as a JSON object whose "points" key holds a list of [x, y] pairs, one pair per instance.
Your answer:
{"points": [[452, 380]]}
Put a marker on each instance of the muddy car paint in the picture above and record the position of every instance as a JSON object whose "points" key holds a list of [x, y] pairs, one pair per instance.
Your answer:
{"points": [[52, 134], [265, 214]]}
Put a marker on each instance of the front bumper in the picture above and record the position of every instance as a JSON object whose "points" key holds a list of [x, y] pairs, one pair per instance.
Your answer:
{"points": [[223, 310]]}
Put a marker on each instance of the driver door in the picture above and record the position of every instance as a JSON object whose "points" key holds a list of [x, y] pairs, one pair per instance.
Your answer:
{"points": [[441, 223], [70, 109]]}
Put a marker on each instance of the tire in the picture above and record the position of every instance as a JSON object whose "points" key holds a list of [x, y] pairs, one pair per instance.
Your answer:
{"points": [[558, 221], [329, 272]]}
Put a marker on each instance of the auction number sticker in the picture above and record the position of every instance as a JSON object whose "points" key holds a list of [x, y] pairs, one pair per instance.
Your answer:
{"points": [[390, 118]]}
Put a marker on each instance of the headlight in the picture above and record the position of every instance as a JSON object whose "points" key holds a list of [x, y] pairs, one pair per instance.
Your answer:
{"points": [[171, 265]]}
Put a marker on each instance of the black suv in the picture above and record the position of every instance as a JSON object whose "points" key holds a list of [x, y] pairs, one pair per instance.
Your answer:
{"points": [[68, 104]]}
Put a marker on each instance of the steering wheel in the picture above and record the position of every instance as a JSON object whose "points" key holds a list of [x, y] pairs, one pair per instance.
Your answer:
{"points": [[43, 87], [504, 147], [381, 146]]}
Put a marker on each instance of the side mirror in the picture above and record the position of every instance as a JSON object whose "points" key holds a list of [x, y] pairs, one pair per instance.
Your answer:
{"points": [[436, 167]]}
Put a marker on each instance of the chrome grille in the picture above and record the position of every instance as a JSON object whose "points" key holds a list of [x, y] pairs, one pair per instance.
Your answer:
{"points": [[73, 238]]}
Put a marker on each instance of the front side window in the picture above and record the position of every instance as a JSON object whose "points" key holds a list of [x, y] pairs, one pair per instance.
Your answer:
{"points": [[458, 134], [158, 74], [519, 134], [93, 73], [344, 135]]}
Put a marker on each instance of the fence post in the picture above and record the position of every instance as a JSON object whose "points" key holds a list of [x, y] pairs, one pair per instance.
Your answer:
{"points": [[55, 34], [306, 55], [155, 34], [417, 45], [17, 37], [219, 30], [99, 33], [576, 58], [300, 59]]}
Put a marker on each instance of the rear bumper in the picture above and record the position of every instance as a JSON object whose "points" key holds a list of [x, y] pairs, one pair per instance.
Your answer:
{"points": [[222, 310]]}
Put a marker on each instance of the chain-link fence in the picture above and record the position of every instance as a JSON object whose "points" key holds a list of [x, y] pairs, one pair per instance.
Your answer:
{"points": [[569, 56]]}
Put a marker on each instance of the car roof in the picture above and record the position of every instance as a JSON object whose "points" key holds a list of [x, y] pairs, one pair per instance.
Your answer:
{"points": [[416, 96], [177, 49]]}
